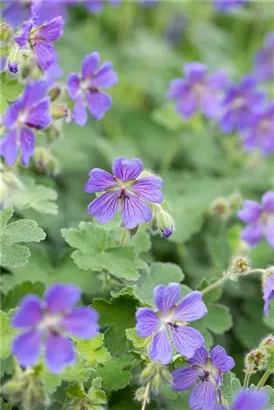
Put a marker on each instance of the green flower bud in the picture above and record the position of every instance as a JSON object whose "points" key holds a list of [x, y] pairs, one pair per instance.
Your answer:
{"points": [[5, 32], [19, 59], [267, 346], [156, 383], [60, 111], [255, 360], [239, 267], [55, 92], [220, 207], [236, 201], [45, 161], [147, 373], [140, 394], [162, 221]]}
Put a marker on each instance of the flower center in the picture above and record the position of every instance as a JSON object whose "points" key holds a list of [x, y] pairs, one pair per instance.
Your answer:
{"points": [[49, 321]]}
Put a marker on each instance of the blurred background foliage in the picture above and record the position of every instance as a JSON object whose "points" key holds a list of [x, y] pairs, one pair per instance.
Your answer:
{"points": [[148, 47]]}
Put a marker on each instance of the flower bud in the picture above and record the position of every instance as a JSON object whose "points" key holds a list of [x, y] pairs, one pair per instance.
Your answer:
{"points": [[147, 373], [268, 342], [235, 201], [156, 383], [255, 360], [5, 32], [267, 346], [220, 207], [60, 111], [55, 92], [18, 59], [239, 267], [140, 394], [162, 221], [45, 161]]}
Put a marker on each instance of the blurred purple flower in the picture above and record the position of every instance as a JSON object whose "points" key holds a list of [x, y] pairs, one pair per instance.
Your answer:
{"points": [[86, 90], [206, 374], [260, 220], [47, 323], [16, 11], [53, 73], [127, 189], [199, 90], [268, 291], [260, 132], [40, 38], [264, 61], [30, 112], [228, 5], [95, 6], [148, 3], [170, 320], [240, 104], [248, 400]]}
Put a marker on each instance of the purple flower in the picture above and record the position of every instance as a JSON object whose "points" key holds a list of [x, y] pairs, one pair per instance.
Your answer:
{"points": [[260, 220], [248, 400], [15, 11], [227, 5], [199, 90], [126, 189], [264, 61], [30, 112], [205, 372], [268, 291], [95, 6], [86, 90], [170, 321], [239, 105], [260, 132], [46, 324], [13, 67], [40, 39]]}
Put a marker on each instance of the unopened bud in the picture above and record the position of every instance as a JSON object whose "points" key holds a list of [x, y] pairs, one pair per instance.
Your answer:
{"points": [[220, 207], [268, 342], [239, 266], [156, 383], [5, 32], [145, 174], [147, 373], [166, 375], [162, 222], [12, 387], [13, 67], [140, 394], [236, 201], [254, 360], [60, 111], [55, 92], [19, 59], [267, 346], [45, 161]]}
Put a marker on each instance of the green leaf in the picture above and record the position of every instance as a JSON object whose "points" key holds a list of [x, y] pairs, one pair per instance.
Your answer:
{"points": [[95, 394], [92, 350], [79, 371], [270, 392], [50, 380], [98, 250], [118, 315], [168, 117], [230, 386], [116, 373], [24, 230], [40, 198], [7, 334], [138, 342], [13, 297], [157, 273], [10, 87], [75, 390], [218, 320]]}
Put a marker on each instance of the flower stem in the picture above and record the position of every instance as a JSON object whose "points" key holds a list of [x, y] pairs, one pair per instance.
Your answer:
{"points": [[247, 376], [124, 237], [264, 379], [146, 396], [222, 280]]}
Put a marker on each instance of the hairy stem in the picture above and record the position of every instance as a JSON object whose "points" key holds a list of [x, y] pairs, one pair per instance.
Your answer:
{"points": [[146, 396], [124, 236], [264, 379], [222, 280], [247, 376]]}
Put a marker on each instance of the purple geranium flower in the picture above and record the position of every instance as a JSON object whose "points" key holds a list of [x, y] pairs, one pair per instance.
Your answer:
{"points": [[199, 90], [15, 11], [264, 61], [206, 374], [228, 5], [170, 321], [95, 6], [47, 323], [85, 90], [30, 112], [268, 291], [260, 220], [248, 400], [239, 105], [127, 189], [40, 39], [260, 132]]}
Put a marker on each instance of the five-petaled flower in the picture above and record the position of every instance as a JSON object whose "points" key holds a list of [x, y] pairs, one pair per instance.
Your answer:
{"points": [[85, 90], [47, 323], [170, 322], [199, 90], [260, 220], [126, 188], [205, 373], [268, 288], [260, 132], [30, 112], [95, 6], [239, 105], [248, 400], [264, 61], [40, 39]]}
